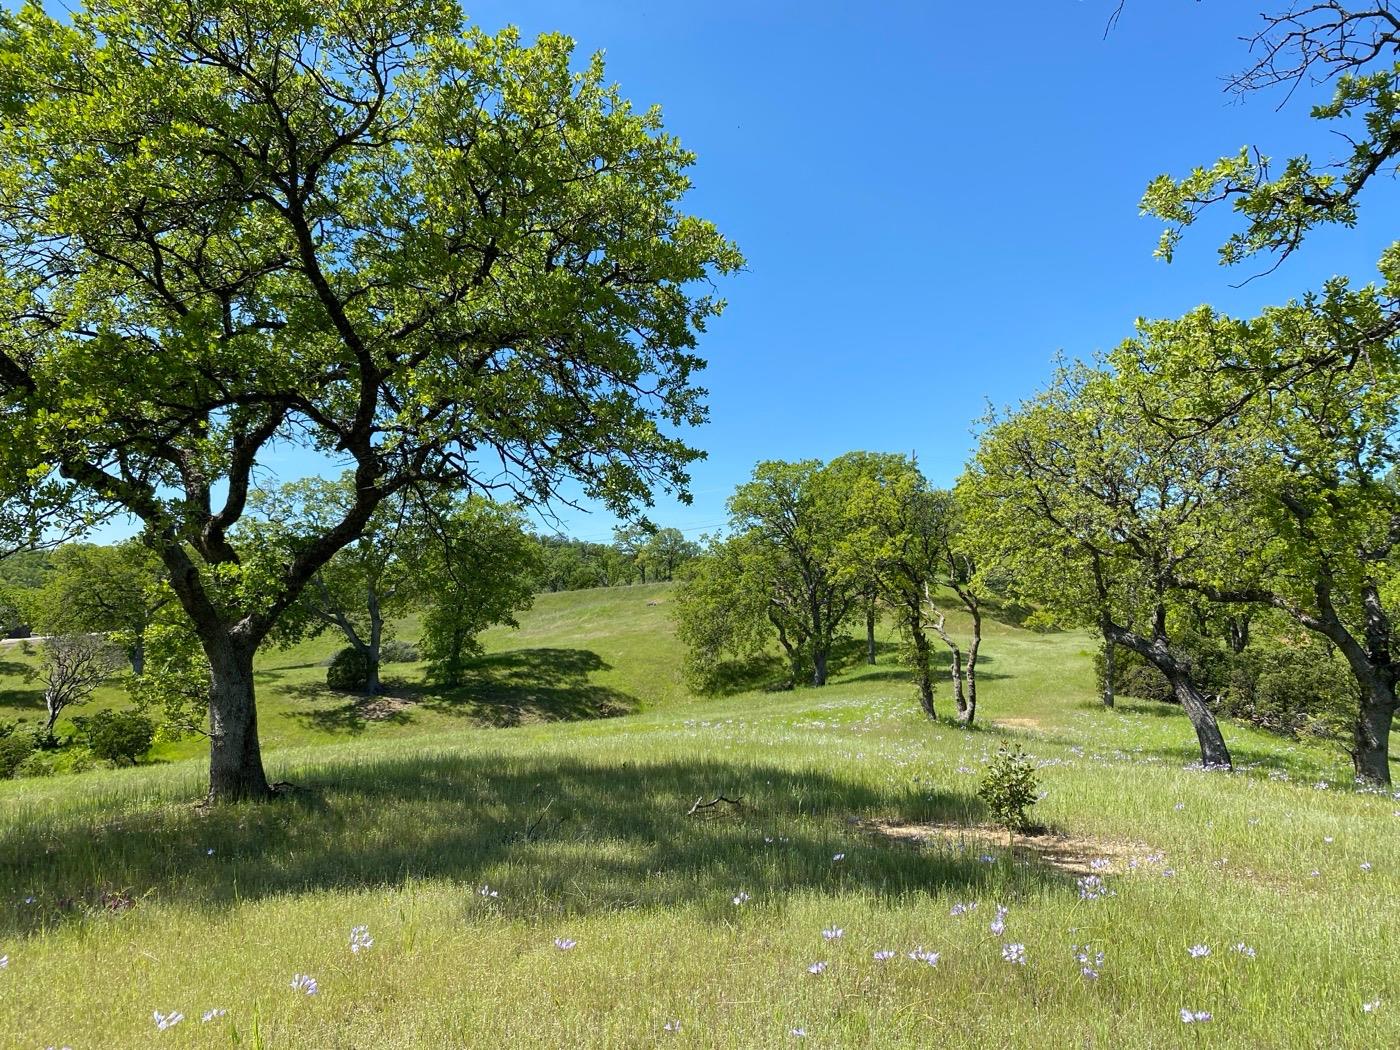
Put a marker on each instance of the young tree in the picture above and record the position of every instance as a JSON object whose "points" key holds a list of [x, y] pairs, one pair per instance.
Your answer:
{"points": [[891, 525], [1092, 513], [794, 514], [667, 550], [71, 669], [444, 257], [93, 589], [477, 567], [370, 581], [961, 576], [726, 608], [786, 571]]}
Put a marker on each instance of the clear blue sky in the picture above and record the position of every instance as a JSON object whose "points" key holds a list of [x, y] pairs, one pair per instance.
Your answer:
{"points": [[934, 199]]}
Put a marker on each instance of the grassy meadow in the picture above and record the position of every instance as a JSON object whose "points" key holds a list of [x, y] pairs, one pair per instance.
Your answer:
{"points": [[531, 874]]}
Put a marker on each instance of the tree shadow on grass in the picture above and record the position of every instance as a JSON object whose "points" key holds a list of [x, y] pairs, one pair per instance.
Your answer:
{"points": [[556, 837], [529, 685], [498, 691]]}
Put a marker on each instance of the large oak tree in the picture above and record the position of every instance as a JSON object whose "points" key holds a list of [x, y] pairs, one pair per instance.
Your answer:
{"points": [[440, 257]]}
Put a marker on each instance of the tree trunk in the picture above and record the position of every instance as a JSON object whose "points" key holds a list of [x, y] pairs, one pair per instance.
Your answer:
{"points": [[921, 671], [970, 674], [1214, 753], [53, 708], [137, 655], [1237, 630], [1110, 671], [959, 697], [1370, 754], [372, 650], [870, 632], [818, 666], [235, 760]]}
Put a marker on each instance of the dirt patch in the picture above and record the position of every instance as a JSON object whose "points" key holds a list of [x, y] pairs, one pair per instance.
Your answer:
{"points": [[1072, 854], [379, 708], [1017, 723]]}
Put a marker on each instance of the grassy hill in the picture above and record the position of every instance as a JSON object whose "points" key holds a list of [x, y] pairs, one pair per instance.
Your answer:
{"points": [[470, 830]]}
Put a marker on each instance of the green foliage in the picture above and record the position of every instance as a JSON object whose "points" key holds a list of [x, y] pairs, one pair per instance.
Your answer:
{"points": [[175, 682], [1010, 788], [361, 229], [398, 651], [348, 671], [16, 745], [1288, 682], [482, 564], [96, 589], [721, 613], [120, 737]]}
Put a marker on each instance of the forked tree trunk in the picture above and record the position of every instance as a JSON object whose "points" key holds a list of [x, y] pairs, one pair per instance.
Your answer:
{"points": [[956, 672], [235, 759]]}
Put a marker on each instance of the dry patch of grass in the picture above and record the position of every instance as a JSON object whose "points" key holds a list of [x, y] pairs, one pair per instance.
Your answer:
{"points": [[1071, 854]]}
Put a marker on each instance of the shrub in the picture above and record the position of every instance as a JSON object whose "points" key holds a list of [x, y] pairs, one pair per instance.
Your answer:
{"points": [[396, 652], [349, 671], [1284, 683], [120, 737], [16, 745], [1009, 789]]}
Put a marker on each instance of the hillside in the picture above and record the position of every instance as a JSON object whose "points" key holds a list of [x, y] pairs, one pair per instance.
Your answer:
{"points": [[467, 849]]}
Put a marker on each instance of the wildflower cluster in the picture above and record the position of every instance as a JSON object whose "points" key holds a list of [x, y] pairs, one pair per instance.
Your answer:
{"points": [[1092, 888], [360, 939], [1090, 961]]}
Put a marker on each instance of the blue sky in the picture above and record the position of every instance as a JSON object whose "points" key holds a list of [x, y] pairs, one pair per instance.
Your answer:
{"points": [[933, 200]]}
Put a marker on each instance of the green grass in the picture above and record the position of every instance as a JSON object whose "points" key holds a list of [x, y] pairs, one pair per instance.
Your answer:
{"points": [[582, 828]]}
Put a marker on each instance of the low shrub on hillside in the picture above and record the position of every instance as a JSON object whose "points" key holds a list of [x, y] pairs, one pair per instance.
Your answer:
{"points": [[349, 671], [1286, 684], [119, 737], [395, 651], [1010, 789], [16, 745]]}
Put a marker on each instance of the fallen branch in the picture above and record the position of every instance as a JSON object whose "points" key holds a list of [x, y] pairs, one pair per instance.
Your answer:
{"points": [[700, 803]]}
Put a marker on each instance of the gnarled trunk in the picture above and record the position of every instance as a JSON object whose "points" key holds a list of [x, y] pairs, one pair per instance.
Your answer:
{"points": [[922, 677], [235, 759], [1370, 752], [1214, 753]]}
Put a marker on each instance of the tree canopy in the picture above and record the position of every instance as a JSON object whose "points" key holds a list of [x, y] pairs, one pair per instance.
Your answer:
{"points": [[442, 257]]}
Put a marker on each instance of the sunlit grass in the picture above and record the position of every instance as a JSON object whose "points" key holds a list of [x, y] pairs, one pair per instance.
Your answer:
{"points": [[582, 831]]}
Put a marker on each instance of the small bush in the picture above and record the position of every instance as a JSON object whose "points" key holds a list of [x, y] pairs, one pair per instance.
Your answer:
{"points": [[16, 745], [120, 737], [348, 672], [1009, 789], [396, 652]]}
